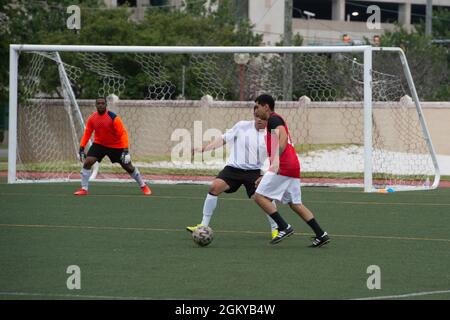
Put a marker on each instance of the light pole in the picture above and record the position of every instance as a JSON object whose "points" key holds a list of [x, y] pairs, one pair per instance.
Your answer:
{"points": [[287, 41], [429, 18], [308, 15], [241, 59]]}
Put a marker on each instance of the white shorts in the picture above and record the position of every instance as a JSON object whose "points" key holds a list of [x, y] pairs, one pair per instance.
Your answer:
{"points": [[281, 188]]}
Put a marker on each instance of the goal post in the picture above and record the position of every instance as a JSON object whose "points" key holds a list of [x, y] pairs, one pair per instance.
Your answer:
{"points": [[351, 112], [13, 106], [368, 165], [418, 106]]}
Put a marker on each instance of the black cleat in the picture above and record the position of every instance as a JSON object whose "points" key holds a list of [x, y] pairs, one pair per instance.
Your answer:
{"points": [[282, 234], [320, 241]]}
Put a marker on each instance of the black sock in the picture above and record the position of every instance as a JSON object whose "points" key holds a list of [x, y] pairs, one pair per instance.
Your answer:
{"points": [[282, 225], [315, 226]]}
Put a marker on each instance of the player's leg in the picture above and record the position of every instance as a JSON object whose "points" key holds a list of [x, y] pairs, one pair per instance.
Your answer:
{"points": [[85, 174], [115, 156], [272, 223], [321, 237], [294, 198], [136, 175], [271, 188], [217, 187], [96, 153], [250, 181]]}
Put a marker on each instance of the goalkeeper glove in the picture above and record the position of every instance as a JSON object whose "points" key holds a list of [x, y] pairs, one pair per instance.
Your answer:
{"points": [[81, 154], [125, 158]]}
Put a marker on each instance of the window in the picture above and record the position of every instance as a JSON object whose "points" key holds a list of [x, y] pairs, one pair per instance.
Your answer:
{"points": [[389, 11], [321, 8], [130, 3]]}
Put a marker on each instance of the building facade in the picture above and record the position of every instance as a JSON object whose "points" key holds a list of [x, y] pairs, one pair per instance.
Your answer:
{"points": [[318, 22], [323, 22]]}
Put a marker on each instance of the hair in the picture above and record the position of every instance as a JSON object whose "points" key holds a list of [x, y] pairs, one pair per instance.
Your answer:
{"points": [[266, 99], [101, 98]]}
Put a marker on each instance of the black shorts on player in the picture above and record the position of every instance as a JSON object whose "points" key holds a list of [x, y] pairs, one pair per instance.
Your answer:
{"points": [[98, 151], [235, 178]]}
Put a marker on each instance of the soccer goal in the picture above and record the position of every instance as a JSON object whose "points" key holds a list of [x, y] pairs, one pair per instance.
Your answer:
{"points": [[353, 111]]}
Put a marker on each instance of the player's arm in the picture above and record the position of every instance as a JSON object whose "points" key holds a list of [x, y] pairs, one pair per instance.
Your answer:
{"points": [[279, 143], [282, 138], [84, 140], [219, 141], [87, 133], [123, 134], [216, 143]]}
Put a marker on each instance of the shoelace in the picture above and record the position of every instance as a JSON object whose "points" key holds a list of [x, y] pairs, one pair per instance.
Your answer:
{"points": [[281, 233]]}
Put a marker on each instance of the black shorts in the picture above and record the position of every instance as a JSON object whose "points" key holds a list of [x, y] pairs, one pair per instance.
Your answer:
{"points": [[235, 177], [98, 151]]}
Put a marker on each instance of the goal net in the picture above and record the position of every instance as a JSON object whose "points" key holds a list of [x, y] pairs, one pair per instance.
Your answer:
{"points": [[354, 117]]}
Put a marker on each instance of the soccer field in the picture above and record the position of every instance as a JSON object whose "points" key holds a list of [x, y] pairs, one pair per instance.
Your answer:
{"points": [[129, 246]]}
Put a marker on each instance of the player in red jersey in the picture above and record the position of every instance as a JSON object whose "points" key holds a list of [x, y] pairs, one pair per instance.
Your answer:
{"points": [[110, 139], [282, 181]]}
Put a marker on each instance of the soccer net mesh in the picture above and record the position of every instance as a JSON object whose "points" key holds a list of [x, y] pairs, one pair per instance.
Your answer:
{"points": [[172, 102]]}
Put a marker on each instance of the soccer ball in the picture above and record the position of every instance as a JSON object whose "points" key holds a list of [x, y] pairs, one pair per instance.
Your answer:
{"points": [[203, 236]]}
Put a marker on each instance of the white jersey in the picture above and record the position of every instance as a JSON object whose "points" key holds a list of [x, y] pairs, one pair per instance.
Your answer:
{"points": [[246, 146]]}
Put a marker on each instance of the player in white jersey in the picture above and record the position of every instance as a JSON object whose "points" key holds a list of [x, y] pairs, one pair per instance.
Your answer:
{"points": [[247, 155]]}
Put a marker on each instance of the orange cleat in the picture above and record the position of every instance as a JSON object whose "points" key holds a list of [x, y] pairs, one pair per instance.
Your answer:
{"points": [[81, 192], [146, 190]]}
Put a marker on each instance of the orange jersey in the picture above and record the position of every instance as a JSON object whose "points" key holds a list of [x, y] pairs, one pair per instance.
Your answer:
{"points": [[108, 128]]}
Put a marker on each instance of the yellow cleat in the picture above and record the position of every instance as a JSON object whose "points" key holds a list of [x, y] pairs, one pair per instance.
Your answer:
{"points": [[191, 229], [274, 233]]}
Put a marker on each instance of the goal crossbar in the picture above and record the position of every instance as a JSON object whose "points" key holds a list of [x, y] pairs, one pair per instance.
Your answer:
{"points": [[186, 49]]}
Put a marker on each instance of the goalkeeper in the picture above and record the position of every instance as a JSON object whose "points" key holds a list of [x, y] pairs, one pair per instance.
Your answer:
{"points": [[110, 139]]}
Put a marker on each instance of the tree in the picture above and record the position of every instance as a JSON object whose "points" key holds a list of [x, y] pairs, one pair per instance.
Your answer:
{"points": [[441, 22], [45, 22], [429, 63], [29, 22], [159, 27]]}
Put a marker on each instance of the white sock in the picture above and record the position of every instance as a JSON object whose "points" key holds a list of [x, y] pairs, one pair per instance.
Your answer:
{"points": [[85, 175], [136, 175], [208, 208], [273, 224]]}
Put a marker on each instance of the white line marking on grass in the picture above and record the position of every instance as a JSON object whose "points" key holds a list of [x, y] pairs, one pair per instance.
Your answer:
{"points": [[406, 295], [148, 198], [85, 227], [387, 237], [62, 295], [218, 231]]}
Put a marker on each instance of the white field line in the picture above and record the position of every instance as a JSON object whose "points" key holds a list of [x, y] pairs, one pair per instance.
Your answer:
{"points": [[4, 225], [82, 296], [406, 295]]}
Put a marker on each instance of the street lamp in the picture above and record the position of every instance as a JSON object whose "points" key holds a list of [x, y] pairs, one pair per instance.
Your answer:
{"points": [[309, 14], [241, 59]]}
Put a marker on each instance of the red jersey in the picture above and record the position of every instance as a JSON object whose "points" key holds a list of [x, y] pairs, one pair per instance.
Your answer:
{"points": [[289, 163], [108, 128]]}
